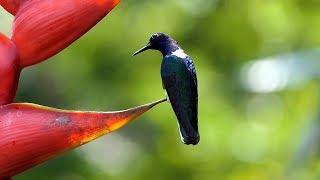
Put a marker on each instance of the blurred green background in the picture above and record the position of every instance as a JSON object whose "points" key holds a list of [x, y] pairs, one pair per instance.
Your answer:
{"points": [[258, 118]]}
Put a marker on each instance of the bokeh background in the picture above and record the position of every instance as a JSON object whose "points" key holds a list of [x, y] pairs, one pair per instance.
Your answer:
{"points": [[258, 69]]}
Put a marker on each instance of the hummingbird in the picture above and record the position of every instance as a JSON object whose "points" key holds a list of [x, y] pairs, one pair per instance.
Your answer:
{"points": [[179, 79]]}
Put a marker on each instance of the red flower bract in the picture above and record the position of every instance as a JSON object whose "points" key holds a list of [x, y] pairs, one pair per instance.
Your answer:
{"points": [[10, 5], [42, 28], [9, 70], [31, 134]]}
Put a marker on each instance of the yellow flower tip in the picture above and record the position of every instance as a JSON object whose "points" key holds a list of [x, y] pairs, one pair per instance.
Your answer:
{"points": [[126, 116]]}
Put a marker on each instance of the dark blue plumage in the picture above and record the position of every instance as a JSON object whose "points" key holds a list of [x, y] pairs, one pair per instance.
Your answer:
{"points": [[180, 81]]}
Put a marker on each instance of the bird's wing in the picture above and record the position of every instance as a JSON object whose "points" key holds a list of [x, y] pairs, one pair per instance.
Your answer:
{"points": [[194, 84], [193, 77], [192, 69]]}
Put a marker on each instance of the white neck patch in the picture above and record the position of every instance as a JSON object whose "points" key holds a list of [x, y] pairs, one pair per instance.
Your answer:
{"points": [[179, 53]]}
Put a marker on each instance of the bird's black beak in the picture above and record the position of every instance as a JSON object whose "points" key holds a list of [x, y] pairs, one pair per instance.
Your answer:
{"points": [[147, 47]]}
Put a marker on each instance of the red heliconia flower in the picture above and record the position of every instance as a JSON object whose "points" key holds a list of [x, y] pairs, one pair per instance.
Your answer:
{"points": [[31, 134], [9, 70]]}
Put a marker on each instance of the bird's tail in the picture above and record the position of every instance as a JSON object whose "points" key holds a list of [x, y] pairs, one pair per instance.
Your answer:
{"points": [[189, 132]]}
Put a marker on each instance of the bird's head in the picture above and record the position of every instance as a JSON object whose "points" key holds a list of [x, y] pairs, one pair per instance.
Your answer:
{"points": [[161, 42]]}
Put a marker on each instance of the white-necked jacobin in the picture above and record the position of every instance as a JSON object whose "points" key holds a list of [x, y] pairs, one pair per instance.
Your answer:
{"points": [[179, 79]]}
